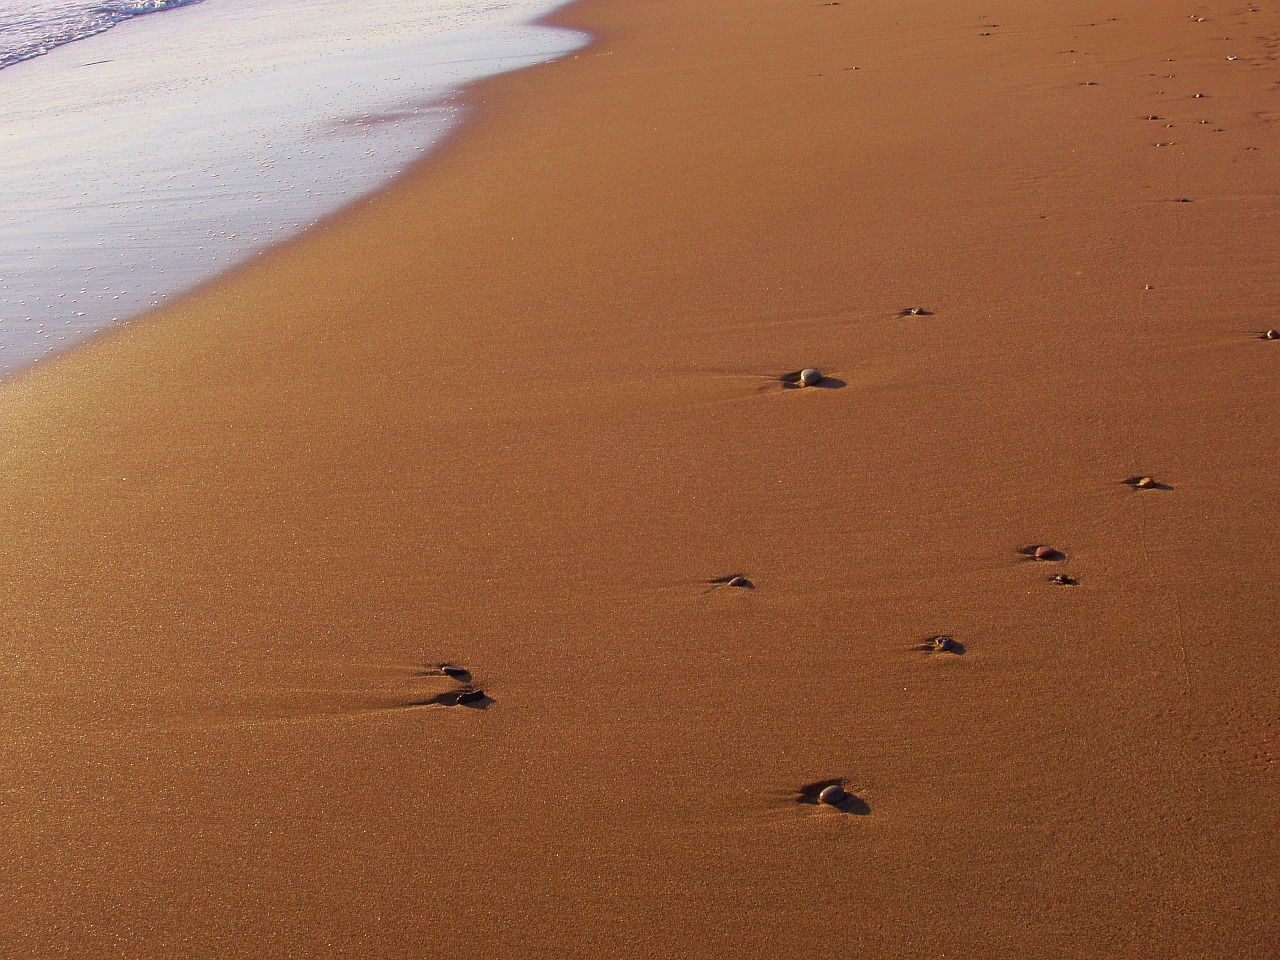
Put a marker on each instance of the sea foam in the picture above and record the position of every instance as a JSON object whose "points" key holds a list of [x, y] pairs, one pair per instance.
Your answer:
{"points": [[144, 160], [30, 28]]}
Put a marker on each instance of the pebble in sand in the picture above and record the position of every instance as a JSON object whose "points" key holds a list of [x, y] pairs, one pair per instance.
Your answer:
{"points": [[1062, 580], [809, 377], [1048, 554], [457, 673], [942, 643], [1143, 482], [1271, 335], [833, 795], [735, 580], [470, 696]]}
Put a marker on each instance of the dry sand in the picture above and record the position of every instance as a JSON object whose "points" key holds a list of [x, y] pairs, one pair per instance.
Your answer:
{"points": [[514, 413]]}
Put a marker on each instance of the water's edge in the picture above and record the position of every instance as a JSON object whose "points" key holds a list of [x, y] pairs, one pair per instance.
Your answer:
{"points": [[444, 118]]}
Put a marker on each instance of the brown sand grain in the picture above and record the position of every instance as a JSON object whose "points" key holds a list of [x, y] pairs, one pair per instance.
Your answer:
{"points": [[239, 535]]}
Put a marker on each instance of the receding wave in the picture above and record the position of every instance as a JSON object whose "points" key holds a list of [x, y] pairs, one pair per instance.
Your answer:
{"points": [[31, 29]]}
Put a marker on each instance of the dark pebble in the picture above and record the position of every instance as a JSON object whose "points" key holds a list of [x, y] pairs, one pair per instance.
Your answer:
{"points": [[833, 795]]}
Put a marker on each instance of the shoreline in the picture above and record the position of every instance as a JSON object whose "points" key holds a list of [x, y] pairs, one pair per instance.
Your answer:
{"points": [[95, 236], [520, 410]]}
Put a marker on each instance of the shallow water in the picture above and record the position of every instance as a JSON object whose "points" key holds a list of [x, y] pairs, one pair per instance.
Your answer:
{"points": [[31, 28], [141, 161]]}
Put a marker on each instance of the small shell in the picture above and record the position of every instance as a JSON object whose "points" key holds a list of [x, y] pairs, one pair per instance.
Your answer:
{"points": [[470, 696], [810, 377], [1047, 553], [457, 673], [944, 643], [833, 795], [736, 582], [1271, 335], [1145, 483]]}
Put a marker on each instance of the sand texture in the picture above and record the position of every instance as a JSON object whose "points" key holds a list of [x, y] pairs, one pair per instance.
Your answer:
{"points": [[520, 411]]}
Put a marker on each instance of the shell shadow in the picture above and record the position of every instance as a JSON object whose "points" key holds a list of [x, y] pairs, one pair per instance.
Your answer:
{"points": [[808, 796], [460, 674], [941, 643], [1134, 481], [791, 381], [1029, 552], [737, 581], [471, 699]]}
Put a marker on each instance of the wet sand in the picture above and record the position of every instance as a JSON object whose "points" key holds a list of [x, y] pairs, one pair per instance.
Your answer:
{"points": [[520, 411]]}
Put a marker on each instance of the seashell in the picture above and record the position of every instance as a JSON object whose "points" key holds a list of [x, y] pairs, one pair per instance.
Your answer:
{"points": [[457, 673], [1047, 553], [944, 643], [1145, 483], [470, 696], [1271, 335], [833, 795], [810, 377], [1062, 580], [736, 582]]}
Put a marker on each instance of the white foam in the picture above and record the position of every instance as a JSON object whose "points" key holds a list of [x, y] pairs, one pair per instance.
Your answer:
{"points": [[214, 131], [31, 28]]}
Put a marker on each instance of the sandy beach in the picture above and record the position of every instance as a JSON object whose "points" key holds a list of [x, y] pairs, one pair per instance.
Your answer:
{"points": [[519, 411]]}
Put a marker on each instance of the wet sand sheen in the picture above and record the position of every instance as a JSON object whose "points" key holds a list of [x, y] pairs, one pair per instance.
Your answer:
{"points": [[509, 416]]}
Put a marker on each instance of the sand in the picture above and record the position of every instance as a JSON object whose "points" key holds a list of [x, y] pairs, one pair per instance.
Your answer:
{"points": [[518, 411]]}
